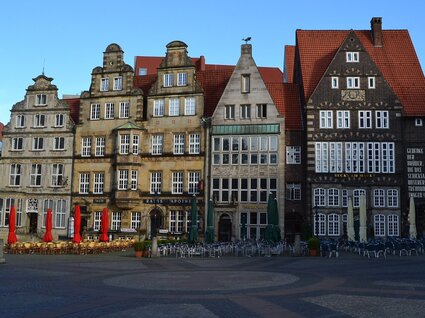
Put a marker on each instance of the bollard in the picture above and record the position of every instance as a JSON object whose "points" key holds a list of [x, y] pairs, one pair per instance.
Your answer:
{"points": [[154, 252], [2, 260], [297, 246]]}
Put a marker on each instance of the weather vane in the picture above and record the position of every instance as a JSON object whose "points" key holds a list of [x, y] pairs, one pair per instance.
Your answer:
{"points": [[247, 39]]}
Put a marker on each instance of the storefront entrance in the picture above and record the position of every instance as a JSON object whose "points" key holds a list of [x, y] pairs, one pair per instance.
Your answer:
{"points": [[225, 228], [156, 221], [33, 223]]}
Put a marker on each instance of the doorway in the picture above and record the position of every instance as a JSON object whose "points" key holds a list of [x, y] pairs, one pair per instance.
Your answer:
{"points": [[33, 223], [225, 228], [156, 221]]}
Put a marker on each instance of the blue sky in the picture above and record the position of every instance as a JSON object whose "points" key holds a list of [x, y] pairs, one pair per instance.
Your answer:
{"points": [[69, 37]]}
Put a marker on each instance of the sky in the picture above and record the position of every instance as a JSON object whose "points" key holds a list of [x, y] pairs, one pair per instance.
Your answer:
{"points": [[67, 38]]}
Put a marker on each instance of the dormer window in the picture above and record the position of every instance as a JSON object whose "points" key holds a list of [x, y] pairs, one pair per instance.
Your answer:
{"points": [[182, 79], [246, 83], [41, 99], [104, 84], [168, 80], [352, 57], [117, 83], [418, 122]]}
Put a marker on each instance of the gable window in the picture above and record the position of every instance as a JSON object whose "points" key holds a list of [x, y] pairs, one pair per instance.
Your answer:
{"points": [[59, 143], [20, 121], [418, 122], [352, 56], [173, 108], [158, 108], [190, 106], [371, 82], [181, 79], [245, 83], [343, 118], [124, 110], [229, 112], [94, 111], [293, 155], [245, 111], [117, 83], [104, 84], [109, 111], [17, 143], [178, 148], [39, 120], [353, 82], [59, 120], [365, 119], [381, 119], [41, 99], [334, 82], [261, 110], [168, 80], [326, 120]]}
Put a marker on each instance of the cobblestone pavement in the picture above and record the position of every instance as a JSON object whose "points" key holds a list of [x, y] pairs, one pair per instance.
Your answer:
{"points": [[120, 285]]}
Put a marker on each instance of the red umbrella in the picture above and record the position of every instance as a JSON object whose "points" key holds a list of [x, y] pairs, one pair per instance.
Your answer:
{"points": [[11, 238], [48, 235], [104, 226], [77, 224]]}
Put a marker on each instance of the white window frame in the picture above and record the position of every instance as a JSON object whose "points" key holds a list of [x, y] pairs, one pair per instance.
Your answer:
{"points": [[124, 144], [356, 197], [60, 214], [335, 157], [40, 100], [319, 197], [261, 110], [333, 197], [352, 57], [293, 191], [229, 112], [59, 143], [353, 82], [20, 121], [38, 144], [97, 220], [155, 182], [116, 221], [379, 224], [245, 111], [136, 220], [173, 107], [100, 147], [94, 111], [58, 171], [122, 179], [39, 120], [334, 82], [392, 198], [379, 198], [124, 110], [293, 155], [245, 83], [190, 106], [393, 222], [157, 144], [118, 83], [365, 119], [193, 177], [104, 84], [136, 144], [177, 182], [134, 180], [109, 111], [382, 119], [322, 157], [84, 183], [85, 146], [36, 175], [343, 119], [158, 108], [98, 182], [178, 144], [59, 120], [17, 143], [182, 79], [371, 82], [326, 119], [194, 143], [334, 224], [168, 80], [320, 222], [419, 122]]}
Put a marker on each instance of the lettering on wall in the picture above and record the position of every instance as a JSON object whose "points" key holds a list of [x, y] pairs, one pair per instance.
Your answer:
{"points": [[415, 172]]}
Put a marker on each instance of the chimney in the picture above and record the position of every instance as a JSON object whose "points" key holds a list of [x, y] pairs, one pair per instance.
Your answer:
{"points": [[246, 49], [376, 28]]}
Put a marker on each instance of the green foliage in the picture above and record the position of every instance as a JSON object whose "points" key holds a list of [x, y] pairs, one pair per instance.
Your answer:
{"points": [[307, 231], [140, 246], [313, 243]]}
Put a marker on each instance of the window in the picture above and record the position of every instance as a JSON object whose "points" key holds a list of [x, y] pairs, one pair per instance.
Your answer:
{"points": [[17, 143], [374, 157], [136, 145], [245, 111], [100, 147], [418, 122], [104, 84], [84, 183], [352, 56], [333, 224], [94, 111], [116, 221], [35, 175], [344, 197], [20, 121], [379, 197], [59, 120], [261, 110], [39, 120], [293, 191], [193, 182], [245, 83], [353, 82], [333, 197], [124, 110], [85, 146], [109, 111], [343, 119], [156, 181], [326, 120], [37, 143], [335, 157], [365, 119], [393, 225], [319, 197], [177, 183], [194, 143], [133, 180], [168, 80], [143, 71], [321, 151], [97, 220], [379, 224], [293, 155], [371, 82], [98, 181], [122, 179], [158, 108], [190, 106], [124, 144], [181, 79], [59, 143], [60, 214], [388, 157], [117, 83], [334, 82], [381, 119], [178, 147], [356, 197], [136, 218], [174, 105], [320, 224], [392, 198], [229, 112], [354, 157], [176, 222], [57, 174], [41, 99], [157, 144]]}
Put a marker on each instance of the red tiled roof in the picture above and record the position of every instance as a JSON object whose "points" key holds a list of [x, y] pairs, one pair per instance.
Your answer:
{"points": [[271, 74], [396, 59], [74, 107], [145, 82], [288, 63], [286, 98], [150, 63]]}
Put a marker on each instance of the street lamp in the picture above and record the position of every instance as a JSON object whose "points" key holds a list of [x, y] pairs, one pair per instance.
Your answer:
{"points": [[156, 193]]}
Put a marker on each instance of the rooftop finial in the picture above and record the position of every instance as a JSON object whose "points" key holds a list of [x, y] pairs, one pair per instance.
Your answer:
{"points": [[247, 40], [43, 65]]}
